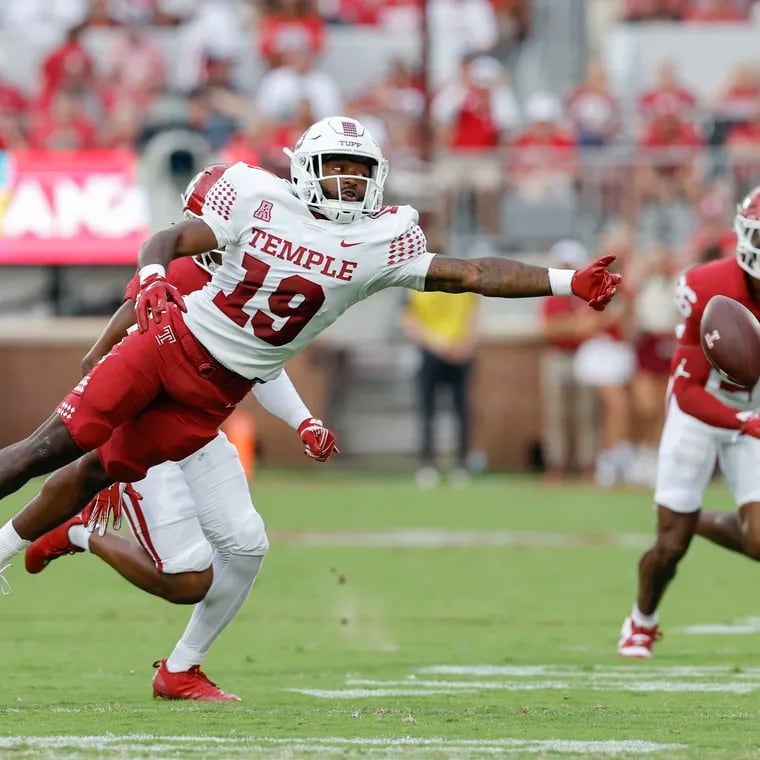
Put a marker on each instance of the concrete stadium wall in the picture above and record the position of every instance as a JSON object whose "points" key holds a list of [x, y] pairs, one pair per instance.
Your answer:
{"points": [[39, 364]]}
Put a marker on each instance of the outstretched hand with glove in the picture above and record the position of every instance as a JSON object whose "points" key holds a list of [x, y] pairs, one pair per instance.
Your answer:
{"points": [[595, 284]]}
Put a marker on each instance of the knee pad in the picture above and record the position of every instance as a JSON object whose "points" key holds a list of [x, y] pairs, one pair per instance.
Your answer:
{"points": [[250, 537]]}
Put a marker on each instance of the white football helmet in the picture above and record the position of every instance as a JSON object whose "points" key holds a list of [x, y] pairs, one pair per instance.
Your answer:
{"points": [[337, 136], [192, 204], [747, 228]]}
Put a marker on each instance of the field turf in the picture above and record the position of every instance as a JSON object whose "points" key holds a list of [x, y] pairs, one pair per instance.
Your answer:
{"points": [[390, 622]]}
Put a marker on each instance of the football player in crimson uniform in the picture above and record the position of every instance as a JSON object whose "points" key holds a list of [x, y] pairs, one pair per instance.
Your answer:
{"points": [[708, 419], [296, 256], [183, 508]]}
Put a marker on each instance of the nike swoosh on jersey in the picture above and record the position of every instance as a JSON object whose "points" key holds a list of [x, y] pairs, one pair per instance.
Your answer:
{"points": [[344, 244]]}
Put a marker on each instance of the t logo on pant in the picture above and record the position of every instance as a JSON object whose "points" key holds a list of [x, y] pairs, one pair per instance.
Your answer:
{"points": [[166, 336]]}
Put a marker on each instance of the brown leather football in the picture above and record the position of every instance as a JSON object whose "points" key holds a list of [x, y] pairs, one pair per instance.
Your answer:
{"points": [[730, 337]]}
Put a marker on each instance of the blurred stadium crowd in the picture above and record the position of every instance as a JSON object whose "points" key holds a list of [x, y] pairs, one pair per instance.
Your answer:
{"points": [[522, 130], [472, 140]]}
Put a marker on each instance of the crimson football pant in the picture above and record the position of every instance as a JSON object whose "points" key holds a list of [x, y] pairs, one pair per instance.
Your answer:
{"points": [[157, 396]]}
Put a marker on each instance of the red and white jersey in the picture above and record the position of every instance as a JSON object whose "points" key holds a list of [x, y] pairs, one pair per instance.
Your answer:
{"points": [[695, 288], [286, 275]]}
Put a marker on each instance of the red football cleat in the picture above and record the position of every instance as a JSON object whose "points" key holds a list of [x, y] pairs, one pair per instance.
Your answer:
{"points": [[187, 684], [637, 641], [55, 543]]}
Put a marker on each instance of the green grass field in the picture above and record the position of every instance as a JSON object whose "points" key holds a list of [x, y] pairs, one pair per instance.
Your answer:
{"points": [[394, 623]]}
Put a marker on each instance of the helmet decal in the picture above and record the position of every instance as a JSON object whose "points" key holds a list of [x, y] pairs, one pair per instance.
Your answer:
{"points": [[349, 129]]}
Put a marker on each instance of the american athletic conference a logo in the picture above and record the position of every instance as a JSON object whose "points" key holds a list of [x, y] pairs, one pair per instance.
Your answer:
{"points": [[264, 211]]}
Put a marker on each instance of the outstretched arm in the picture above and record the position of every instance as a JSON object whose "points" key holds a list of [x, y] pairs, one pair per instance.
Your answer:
{"points": [[488, 276], [505, 278]]}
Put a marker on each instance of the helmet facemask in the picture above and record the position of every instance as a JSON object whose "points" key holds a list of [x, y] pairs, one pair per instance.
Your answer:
{"points": [[206, 260], [748, 244]]}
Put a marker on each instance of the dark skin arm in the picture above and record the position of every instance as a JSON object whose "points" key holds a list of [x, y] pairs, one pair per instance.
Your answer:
{"points": [[123, 318], [186, 238], [502, 278], [488, 277]]}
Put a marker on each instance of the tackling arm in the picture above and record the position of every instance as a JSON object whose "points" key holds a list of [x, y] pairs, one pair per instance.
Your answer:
{"points": [[123, 318], [505, 278], [187, 238]]}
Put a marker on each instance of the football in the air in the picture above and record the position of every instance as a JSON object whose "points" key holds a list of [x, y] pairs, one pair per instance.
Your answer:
{"points": [[730, 336]]}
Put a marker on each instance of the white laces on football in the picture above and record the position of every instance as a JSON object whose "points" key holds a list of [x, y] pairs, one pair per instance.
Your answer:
{"points": [[5, 586]]}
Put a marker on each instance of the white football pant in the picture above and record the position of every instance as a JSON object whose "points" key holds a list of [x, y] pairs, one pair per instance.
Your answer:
{"points": [[188, 506], [686, 460]]}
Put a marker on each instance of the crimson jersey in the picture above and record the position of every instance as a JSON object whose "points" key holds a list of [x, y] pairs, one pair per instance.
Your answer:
{"points": [[285, 274], [699, 389], [186, 274]]}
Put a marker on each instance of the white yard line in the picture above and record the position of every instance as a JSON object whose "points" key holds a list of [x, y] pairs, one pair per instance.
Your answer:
{"points": [[750, 625], [646, 686], [678, 679], [612, 671], [436, 538], [366, 693], [599, 683], [146, 745]]}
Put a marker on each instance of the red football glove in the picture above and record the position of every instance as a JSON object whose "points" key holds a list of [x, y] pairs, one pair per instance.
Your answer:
{"points": [[153, 300], [108, 504], [594, 284], [751, 426], [318, 441]]}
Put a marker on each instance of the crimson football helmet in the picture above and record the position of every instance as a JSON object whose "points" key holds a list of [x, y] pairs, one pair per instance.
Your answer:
{"points": [[192, 206], [337, 136], [747, 227]]}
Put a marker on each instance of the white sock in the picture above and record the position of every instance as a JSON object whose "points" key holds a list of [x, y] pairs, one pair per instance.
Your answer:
{"points": [[80, 537], [642, 620], [234, 575], [10, 543]]}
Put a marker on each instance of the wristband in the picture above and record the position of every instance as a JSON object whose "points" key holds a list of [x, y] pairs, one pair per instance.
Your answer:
{"points": [[149, 270], [559, 281]]}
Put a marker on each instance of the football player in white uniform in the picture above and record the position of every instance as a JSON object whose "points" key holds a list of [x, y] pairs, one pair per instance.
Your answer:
{"points": [[180, 509], [296, 256]]}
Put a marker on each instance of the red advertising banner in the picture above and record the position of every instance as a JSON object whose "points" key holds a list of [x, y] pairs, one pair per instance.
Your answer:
{"points": [[79, 207]]}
